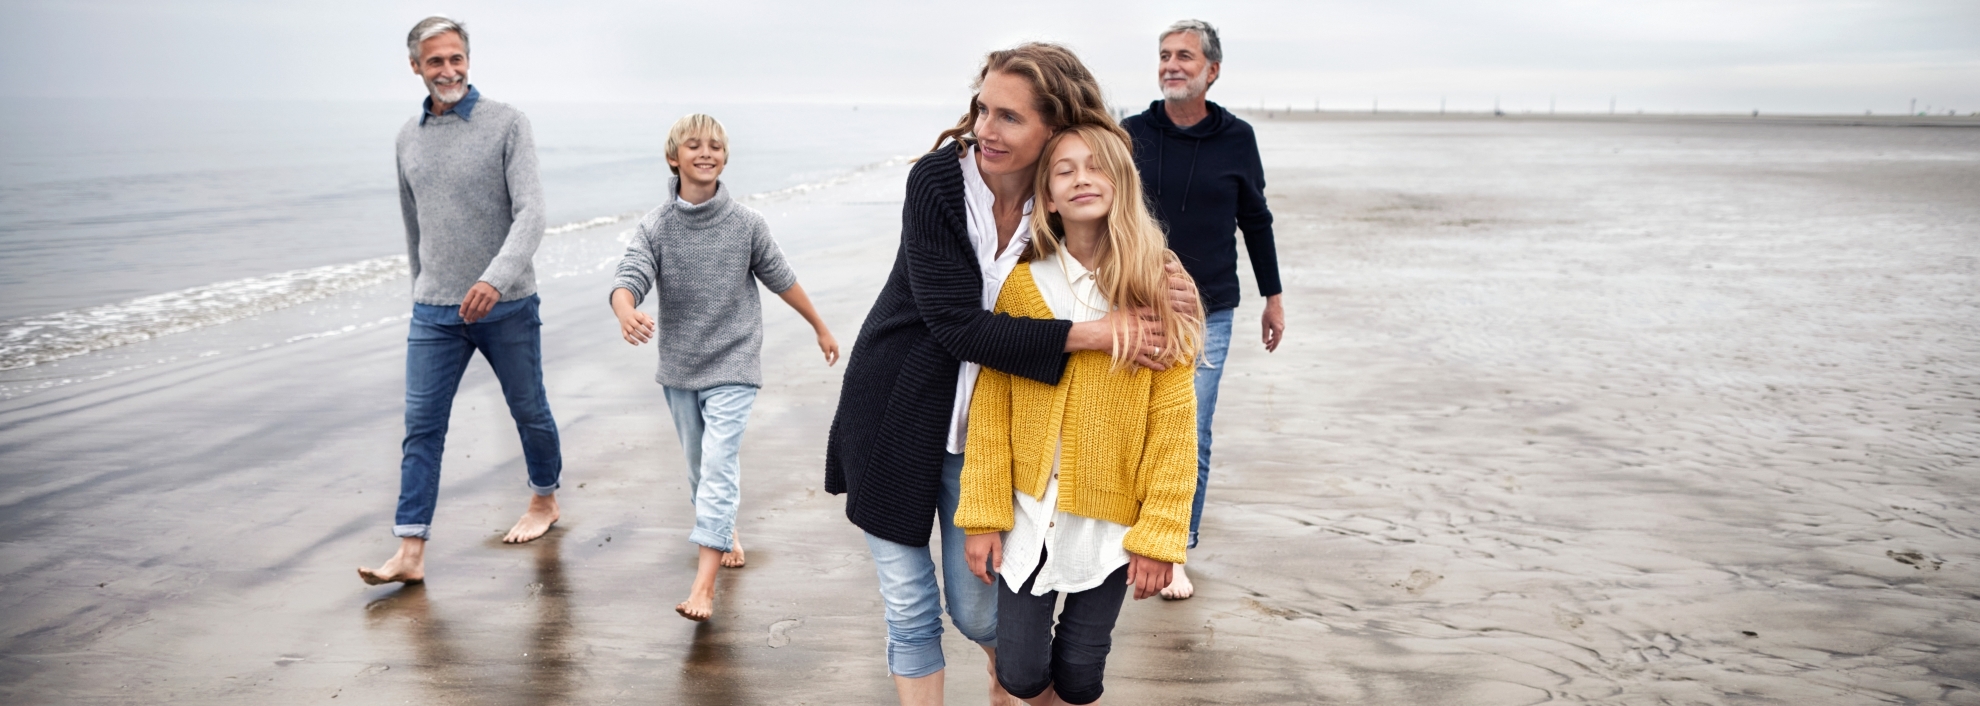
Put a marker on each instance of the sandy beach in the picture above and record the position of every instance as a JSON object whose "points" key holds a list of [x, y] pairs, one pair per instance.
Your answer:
{"points": [[1620, 412]]}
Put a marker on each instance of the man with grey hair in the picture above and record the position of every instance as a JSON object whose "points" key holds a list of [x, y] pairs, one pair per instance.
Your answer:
{"points": [[1201, 173], [474, 214]]}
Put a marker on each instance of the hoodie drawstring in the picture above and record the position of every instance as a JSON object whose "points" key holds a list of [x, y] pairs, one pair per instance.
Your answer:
{"points": [[1190, 180]]}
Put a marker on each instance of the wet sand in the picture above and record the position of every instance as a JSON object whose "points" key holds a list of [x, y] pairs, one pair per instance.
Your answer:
{"points": [[1578, 412]]}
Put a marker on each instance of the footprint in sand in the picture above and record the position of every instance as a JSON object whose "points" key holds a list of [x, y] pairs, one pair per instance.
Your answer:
{"points": [[780, 631], [1914, 558], [1418, 582]]}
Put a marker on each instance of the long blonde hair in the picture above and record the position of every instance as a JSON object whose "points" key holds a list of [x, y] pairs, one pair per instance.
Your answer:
{"points": [[1130, 272]]}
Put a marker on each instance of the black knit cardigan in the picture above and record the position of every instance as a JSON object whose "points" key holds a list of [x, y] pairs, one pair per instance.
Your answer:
{"points": [[887, 440]]}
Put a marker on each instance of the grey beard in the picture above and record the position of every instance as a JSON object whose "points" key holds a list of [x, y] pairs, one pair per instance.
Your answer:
{"points": [[450, 93], [1192, 90]]}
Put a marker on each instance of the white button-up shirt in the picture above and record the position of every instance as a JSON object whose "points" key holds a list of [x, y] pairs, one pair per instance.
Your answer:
{"points": [[995, 267], [1079, 552]]}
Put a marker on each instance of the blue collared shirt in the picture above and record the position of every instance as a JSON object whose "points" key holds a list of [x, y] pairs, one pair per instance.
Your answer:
{"points": [[465, 108]]}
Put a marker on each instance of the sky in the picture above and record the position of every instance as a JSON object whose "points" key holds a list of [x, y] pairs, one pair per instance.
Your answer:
{"points": [[1800, 56]]}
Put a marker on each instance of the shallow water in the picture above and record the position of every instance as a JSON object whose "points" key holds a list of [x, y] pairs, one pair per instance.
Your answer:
{"points": [[102, 201]]}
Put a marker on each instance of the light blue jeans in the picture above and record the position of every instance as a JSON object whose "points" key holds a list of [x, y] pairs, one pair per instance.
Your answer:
{"points": [[710, 423], [914, 602], [1209, 371]]}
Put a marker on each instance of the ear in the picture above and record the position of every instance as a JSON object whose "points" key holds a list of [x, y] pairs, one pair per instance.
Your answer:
{"points": [[674, 162], [415, 65], [1216, 69]]}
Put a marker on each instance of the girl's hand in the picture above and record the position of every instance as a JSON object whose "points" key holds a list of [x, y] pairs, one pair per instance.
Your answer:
{"points": [[1147, 575], [985, 553], [830, 346], [635, 325]]}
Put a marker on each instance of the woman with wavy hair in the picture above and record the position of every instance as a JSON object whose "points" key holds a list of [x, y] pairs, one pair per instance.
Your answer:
{"points": [[897, 440]]}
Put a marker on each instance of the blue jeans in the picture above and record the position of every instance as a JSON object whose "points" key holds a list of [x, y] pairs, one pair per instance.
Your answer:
{"points": [[438, 348], [710, 423], [1209, 371], [914, 602]]}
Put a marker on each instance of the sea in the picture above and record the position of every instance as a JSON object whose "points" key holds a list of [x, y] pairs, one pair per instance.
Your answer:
{"points": [[125, 220]]}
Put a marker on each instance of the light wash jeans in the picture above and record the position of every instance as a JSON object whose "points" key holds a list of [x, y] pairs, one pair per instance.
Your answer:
{"points": [[710, 423], [914, 602], [1209, 371], [438, 348]]}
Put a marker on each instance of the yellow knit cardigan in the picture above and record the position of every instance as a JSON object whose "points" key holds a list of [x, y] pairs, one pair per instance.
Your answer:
{"points": [[1129, 441]]}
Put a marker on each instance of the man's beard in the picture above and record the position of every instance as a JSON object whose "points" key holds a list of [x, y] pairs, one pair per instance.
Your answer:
{"points": [[1193, 89], [449, 93]]}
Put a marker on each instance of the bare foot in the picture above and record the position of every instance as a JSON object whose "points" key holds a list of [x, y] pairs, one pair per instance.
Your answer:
{"points": [[406, 566], [700, 603], [734, 557], [697, 607], [542, 513], [1179, 586]]}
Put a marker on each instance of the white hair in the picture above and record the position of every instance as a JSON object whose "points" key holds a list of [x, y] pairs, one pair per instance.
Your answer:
{"points": [[433, 27], [1206, 36]]}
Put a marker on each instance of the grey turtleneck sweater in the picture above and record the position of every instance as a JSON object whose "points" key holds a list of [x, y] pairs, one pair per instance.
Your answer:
{"points": [[704, 260], [472, 202]]}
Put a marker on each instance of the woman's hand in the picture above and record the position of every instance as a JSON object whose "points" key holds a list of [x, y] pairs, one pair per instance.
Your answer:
{"points": [[1147, 575], [985, 553], [1182, 291], [1098, 335], [634, 324]]}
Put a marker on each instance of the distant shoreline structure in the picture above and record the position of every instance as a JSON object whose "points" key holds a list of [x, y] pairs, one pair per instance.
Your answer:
{"points": [[1967, 121]]}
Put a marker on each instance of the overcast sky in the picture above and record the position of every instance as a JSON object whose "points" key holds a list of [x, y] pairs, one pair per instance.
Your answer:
{"points": [[1657, 55]]}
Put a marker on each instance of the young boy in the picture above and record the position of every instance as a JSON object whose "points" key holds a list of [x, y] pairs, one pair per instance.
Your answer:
{"points": [[704, 253]]}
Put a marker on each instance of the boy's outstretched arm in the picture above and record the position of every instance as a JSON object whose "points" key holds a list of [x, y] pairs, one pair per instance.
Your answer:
{"points": [[634, 324], [795, 297]]}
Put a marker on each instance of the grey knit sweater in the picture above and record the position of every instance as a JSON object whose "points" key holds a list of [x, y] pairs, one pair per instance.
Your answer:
{"points": [[472, 203], [705, 260]]}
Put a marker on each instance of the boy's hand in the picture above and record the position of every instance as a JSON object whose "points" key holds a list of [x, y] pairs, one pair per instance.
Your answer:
{"points": [[985, 553], [1147, 575], [830, 346], [636, 326]]}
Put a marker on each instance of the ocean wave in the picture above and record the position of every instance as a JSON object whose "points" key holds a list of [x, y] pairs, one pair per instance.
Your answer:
{"points": [[33, 340]]}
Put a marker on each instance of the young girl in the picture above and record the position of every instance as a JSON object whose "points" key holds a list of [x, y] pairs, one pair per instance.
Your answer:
{"points": [[1090, 480]]}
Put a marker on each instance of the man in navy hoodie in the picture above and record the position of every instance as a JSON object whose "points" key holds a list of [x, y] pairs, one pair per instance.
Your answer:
{"points": [[1201, 173]]}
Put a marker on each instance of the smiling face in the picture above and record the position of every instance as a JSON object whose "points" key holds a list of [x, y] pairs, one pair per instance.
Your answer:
{"points": [[1010, 133], [1080, 190], [699, 159], [443, 64], [1184, 72]]}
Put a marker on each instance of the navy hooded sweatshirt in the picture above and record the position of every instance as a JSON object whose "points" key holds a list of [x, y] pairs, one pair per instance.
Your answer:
{"points": [[1204, 182]]}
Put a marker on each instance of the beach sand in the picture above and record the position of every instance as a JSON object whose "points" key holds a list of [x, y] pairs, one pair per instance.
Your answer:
{"points": [[1574, 412]]}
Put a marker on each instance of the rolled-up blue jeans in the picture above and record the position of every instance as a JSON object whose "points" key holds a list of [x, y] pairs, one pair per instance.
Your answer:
{"points": [[1209, 372], [438, 347], [914, 601], [710, 423]]}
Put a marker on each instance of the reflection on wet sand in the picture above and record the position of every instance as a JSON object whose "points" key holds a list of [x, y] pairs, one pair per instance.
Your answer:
{"points": [[448, 665], [711, 673]]}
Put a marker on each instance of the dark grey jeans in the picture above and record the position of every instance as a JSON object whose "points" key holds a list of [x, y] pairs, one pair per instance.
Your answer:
{"points": [[1031, 655]]}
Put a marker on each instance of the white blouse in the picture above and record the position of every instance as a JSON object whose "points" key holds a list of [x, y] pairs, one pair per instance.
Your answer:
{"points": [[995, 267], [1079, 552]]}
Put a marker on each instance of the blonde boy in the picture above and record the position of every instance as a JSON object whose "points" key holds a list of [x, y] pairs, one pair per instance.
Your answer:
{"points": [[703, 253]]}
